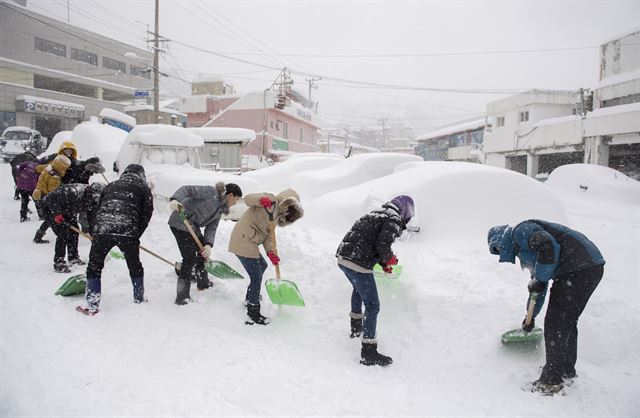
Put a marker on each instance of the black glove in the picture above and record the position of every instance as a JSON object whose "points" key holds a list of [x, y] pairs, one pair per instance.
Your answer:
{"points": [[530, 327], [535, 286], [94, 168]]}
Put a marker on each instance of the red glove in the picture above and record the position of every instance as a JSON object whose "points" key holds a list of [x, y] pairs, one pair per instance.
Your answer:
{"points": [[265, 202], [387, 269], [58, 219], [275, 260], [392, 261]]}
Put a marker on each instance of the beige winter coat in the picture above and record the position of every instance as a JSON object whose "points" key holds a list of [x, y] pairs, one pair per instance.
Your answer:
{"points": [[252, 230]]}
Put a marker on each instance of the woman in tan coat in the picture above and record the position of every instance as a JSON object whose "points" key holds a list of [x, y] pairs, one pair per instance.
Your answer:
{"points": [[252, 230]]}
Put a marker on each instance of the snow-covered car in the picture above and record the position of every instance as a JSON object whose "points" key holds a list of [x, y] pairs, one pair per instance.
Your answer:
{"points": [[170, 156], [16, 139]]}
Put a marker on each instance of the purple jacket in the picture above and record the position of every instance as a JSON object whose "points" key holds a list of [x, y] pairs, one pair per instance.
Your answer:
{"points": [[27, 176]]}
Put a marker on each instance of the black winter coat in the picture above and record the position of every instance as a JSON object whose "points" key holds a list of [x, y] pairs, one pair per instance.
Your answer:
{"points": [[370, 238], [68, 200], [76, 173], [125, 208]]}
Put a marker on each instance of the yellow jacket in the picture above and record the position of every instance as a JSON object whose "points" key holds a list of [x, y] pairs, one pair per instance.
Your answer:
{"points": [[50, 176]]}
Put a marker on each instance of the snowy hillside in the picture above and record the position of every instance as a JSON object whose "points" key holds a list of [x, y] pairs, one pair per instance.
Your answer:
{"points": [[441, 321]]}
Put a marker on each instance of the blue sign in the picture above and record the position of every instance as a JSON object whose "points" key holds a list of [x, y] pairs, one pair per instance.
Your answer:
{"points": [[141, 93]]}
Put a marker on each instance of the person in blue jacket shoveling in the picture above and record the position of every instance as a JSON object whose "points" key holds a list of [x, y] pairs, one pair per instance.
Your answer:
{"points": [[367, 243], [551, 251]]}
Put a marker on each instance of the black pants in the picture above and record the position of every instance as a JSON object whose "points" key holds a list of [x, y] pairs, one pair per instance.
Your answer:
{"points": [[192, 262], [66, 239], [101, 246], [25, 195], [568, 297], [45, 221]]}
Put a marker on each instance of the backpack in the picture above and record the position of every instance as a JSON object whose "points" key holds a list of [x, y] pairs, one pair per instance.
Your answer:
{"points": [[27, 176]]}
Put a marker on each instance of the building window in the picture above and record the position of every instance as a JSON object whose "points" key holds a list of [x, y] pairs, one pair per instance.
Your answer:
{"points": [[499, 121], [51, 47], [301, 135], [112, 64], [138, 71], [84, 56], [524, 116]]}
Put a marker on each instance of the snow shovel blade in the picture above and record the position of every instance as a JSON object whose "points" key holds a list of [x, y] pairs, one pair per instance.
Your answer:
{"points": [[116, 254], [74, 285], [378, 273], [221, 270], [284, 292], [518, 337]]}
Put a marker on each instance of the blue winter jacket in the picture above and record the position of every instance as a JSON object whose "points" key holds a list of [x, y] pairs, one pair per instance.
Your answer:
{"points": [[548, 250]]}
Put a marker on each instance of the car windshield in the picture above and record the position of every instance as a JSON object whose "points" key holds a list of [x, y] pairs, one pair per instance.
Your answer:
{"points": [[18, 136]]}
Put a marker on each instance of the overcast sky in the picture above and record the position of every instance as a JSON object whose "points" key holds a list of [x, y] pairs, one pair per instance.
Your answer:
{"points": [[496, 47]]}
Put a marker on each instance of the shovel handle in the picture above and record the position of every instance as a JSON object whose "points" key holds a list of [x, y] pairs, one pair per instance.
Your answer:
{"points": [[90, 238], [193, 233], [532, 306], [272, 230]]}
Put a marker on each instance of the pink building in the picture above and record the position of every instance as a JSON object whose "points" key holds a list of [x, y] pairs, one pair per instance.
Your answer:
{"points": [[294, 128]]}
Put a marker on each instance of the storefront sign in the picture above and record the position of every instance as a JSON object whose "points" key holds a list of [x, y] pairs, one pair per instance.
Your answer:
{"points": [[34, 105]]}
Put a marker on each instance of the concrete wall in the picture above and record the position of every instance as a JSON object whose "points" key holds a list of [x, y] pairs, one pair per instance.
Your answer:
{"points": [[620, 55]]}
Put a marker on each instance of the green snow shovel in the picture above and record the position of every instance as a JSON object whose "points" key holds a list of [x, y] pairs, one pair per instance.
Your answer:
{"points": [[519, 337], [281, 292], [74, 285], [379, 273], [218, 268]]}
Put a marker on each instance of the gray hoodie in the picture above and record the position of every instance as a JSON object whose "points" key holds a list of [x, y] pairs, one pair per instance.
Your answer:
{"points": [[203, 205]]}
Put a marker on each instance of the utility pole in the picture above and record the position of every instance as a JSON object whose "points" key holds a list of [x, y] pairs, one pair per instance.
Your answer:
{"points": [[156, 65], [383, 122], [312, 84]]}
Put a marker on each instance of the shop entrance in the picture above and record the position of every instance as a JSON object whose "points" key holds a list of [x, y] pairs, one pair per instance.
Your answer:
{"points": [[48, 126]]}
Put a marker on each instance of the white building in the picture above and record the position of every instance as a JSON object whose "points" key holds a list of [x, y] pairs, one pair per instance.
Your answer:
{"points": [[537, 131], [459, 142]]}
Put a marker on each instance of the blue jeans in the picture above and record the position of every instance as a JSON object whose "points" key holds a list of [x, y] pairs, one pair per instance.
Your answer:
{"points": [[364, 292], [255, 268]]}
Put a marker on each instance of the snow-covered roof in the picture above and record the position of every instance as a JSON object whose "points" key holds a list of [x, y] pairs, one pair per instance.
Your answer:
{"points": [[210, 78], [119, 116], [213, 134], [554, 121], [614, 110], [28, 98], [135, 108], [620, 36], [164, 135], [619, 79], [18, 129], [453, 129]]}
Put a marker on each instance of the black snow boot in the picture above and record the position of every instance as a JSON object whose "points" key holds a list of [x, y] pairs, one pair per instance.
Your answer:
{"points": [[254, 315], [182, 295], [369, 355], [38, 238], [61, 267], [356, 325], [24, 219], [76, 261], [202, 278]]}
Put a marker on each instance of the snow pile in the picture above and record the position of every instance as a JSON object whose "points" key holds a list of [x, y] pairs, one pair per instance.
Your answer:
{"points": [[224, 134], [278, 177], [156, 135], [354, 170], [456, 202], [93, 139], [167, 178], [594, 183], [57, 140]]}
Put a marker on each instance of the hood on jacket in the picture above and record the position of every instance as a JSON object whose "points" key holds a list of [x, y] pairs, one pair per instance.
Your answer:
{"points": [[61, 164], [405, 204], [68, 145], [501, 243], [289, 207], [134, 170]]}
